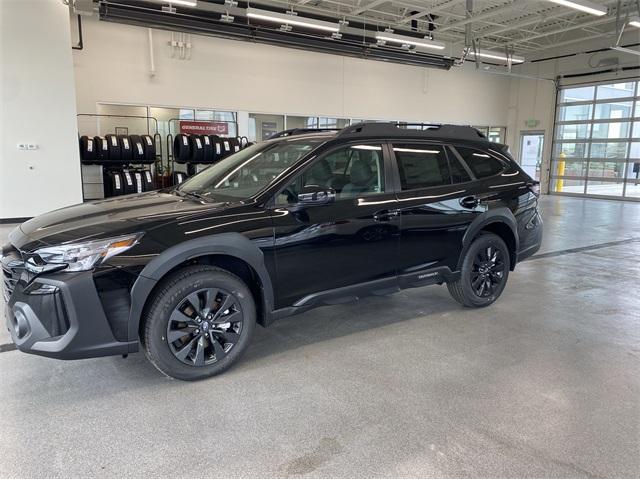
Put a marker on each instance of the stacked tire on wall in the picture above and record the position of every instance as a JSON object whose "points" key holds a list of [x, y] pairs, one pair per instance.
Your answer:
{"points": [[117, 154]]}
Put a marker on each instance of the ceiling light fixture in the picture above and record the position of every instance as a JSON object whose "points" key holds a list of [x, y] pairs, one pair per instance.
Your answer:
{"points": [[416, 42], [184, 3], [635, 22], [583, 6], [288, 19], [497, 56]]}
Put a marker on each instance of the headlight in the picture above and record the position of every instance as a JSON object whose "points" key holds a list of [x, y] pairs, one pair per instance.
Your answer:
{"points": [[84, 256]]}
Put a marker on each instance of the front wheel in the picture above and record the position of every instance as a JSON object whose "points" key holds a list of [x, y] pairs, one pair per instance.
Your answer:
{"points": [[484, 272], [199, 322]]}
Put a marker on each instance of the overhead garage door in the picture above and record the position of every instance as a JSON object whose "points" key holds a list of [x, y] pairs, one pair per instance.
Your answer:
{"points": [[596, 150]]}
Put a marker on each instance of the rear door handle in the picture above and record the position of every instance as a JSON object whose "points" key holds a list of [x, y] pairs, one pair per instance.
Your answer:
{"points": [[385, 215], [469, 202]]}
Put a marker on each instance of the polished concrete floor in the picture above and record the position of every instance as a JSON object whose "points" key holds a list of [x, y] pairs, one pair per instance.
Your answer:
{"points": [[544, 383]]}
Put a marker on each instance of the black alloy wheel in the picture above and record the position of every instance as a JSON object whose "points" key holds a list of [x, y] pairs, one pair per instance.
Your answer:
{"points": [[487, 272], [483, 273], [204, 327], [199, 322]]}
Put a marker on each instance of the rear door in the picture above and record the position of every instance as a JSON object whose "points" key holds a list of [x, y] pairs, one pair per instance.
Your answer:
{"points": [[436, 207]]}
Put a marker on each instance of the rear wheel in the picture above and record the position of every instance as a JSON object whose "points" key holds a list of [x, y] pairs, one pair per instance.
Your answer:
{"points": [[484, 272], [199, 322]]}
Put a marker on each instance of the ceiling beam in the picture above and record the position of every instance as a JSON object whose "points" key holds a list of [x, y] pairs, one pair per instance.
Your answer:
{"points": [[368, 6], [483, 16]]}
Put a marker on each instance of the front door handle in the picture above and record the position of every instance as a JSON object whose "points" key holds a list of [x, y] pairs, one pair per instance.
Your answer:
{"points": [[469, 202], [385, 215]]}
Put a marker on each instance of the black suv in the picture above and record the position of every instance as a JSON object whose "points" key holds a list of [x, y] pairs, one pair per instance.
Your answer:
{"points": [[302, 220]]}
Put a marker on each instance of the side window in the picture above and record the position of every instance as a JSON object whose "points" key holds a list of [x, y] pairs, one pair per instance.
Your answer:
{"points": [[458, 172], [351, 171], [481, 164], [421, 166]]}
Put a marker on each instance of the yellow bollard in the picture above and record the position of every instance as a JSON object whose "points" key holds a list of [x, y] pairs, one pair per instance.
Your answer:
{"points": [[560, 171]]}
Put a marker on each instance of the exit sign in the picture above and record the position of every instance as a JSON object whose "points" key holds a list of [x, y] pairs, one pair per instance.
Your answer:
{"points": [[532, 123]]}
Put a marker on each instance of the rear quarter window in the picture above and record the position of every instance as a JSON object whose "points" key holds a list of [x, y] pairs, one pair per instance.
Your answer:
{"points": [[481, 164]]}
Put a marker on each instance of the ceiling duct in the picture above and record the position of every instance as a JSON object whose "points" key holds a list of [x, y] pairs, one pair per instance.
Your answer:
{"points": [[208, 22]]}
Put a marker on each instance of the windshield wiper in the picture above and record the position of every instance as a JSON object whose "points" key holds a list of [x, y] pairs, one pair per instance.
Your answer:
{"points": [[192, 194]]}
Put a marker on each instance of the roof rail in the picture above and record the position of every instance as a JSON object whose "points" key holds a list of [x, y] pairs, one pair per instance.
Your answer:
{"points": [[400, 129], [301, 131]]}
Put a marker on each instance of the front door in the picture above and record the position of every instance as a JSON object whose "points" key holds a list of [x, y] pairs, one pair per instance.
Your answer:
{"points": [[350, 241]]}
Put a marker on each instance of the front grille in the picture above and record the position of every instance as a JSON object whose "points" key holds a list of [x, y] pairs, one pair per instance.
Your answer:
{"points": [[12, 268]]}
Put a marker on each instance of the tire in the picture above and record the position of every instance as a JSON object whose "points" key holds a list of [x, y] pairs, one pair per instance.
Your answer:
{"points": [[480, 283], [171, 315]]}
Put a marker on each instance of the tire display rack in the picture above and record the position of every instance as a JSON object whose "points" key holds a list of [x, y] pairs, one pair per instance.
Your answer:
{"points": [[120, 164]]}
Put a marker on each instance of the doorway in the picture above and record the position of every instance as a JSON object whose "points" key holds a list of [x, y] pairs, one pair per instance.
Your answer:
{"points": [[531, 147]]}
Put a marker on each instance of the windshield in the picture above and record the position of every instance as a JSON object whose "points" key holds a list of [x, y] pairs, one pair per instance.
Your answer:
{"points": [[249, 171]]}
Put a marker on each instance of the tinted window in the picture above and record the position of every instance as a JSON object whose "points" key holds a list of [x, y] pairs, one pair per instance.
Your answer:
{"points": [[351, 171], [481, 164], [421, 166], [458, 173]]}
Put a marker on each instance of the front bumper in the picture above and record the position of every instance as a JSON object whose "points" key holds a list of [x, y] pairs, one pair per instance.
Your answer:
{"points": [[61, 316]]}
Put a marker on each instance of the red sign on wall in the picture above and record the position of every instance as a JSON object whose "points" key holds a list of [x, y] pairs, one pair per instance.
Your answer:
{"points": [[204, 127]]}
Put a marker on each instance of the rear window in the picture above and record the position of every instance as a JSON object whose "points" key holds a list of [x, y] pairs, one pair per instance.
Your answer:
{"points": [[481, 164]]}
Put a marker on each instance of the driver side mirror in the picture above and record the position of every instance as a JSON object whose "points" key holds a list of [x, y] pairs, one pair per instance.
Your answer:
{"points": [[316, 195]]}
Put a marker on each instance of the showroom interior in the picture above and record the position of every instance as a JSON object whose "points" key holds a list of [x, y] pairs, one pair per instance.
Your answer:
{"points": [[543, 383]]}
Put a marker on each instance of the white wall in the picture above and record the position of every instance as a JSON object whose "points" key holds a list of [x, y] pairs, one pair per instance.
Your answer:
{"points": [[38, 106], [234, 75]]}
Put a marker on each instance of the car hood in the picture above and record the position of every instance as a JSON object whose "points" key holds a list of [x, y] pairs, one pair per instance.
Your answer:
{"points": [[107, 218]]}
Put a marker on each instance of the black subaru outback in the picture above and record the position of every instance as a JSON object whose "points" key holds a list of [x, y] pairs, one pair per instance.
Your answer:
{"points": [[302, 220]]}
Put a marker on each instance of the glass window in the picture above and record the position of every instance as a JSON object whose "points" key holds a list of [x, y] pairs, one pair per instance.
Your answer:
{"points": [[574, 113], [481, 164], [351, 171], [422, 166], [617, 150], [577, 94], [249, 171], [616, 90], [606, 169], [611, 130], [262, 127], [301, 122], [613, 111], [570, 150], [563, 185], [497, 134], [458, 172], [605, 188], [569, 168], [573, 132], [333, 122]]}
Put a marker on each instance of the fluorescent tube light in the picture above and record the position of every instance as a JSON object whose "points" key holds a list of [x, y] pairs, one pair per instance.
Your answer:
{"points": [[497, 56], [425, 43], [635, 22], [286, 19], [583, 6], [184, 3]]}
